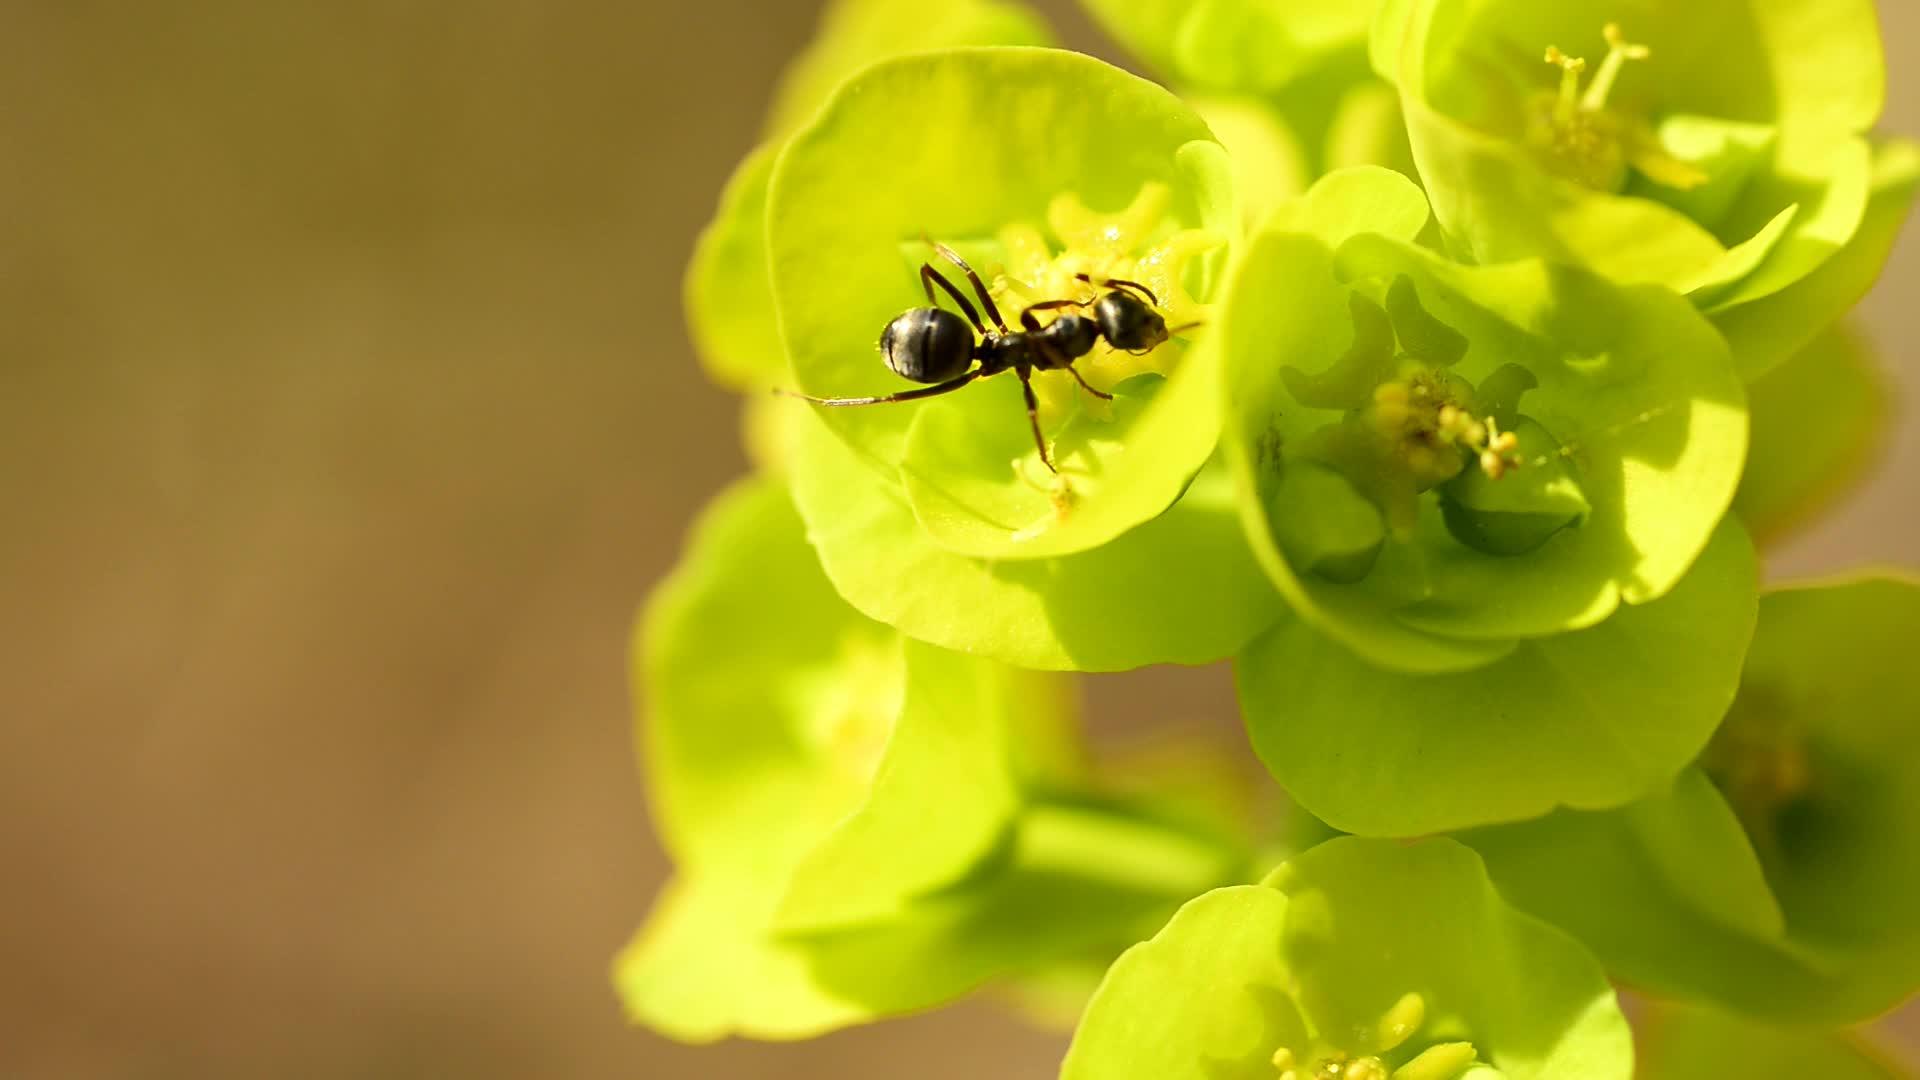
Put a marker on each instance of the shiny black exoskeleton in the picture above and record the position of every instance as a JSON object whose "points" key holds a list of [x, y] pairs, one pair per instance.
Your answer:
{"points": [[1128, 324], [933, 345]]}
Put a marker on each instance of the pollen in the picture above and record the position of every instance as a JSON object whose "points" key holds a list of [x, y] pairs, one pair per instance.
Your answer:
{"points": [[1142, 242]]}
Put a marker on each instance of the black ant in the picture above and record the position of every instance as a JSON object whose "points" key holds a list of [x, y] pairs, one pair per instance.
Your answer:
{"points": [[933, 345]]}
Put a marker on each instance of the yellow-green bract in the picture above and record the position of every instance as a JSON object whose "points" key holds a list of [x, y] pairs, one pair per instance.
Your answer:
{"points": [[1371, 956], [850, 812], [1718, 147], [1777, 878], [1428, 678]]}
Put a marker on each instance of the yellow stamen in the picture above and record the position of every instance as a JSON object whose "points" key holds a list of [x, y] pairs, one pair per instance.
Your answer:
{"points": [[1570, 69], [1401, 1021], [1619, 51]]}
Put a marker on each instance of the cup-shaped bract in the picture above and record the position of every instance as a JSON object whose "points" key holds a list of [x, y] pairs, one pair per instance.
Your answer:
{"points": [[729, 301], [1037, 166], [1777, 878], [1719, 148], [1180, 589], [1495, 499], [1389, 404], [850, 812], [1356, 958]]}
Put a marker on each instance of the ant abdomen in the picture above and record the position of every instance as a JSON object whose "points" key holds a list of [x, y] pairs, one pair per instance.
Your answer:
{"points": [[928, 345]]}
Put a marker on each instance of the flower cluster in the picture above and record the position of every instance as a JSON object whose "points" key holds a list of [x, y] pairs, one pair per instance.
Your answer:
{"points": [[1439, 363]]}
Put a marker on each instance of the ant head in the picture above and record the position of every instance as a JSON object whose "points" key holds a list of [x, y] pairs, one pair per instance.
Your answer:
{"points": [[1128, 323], [928, 345]]}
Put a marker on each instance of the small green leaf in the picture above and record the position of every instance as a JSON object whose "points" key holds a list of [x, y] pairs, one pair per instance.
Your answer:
{"points": [[1354, 949], [1182, 588], [1818, 420], [1593, 718]]}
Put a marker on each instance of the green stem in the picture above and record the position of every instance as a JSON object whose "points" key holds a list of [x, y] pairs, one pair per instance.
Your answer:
{"points": [[1112, 846]]}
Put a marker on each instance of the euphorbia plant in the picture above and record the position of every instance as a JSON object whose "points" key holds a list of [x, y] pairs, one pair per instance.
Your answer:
{"points": [[1496, 333]]}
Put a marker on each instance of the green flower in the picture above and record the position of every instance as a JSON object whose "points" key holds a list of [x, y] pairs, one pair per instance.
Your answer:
{"points": [[1483, 491], [728, 298], [862, 825], [1777, 878], [1360, 959], [940, 517], [1718, 147], [1001, 153]]}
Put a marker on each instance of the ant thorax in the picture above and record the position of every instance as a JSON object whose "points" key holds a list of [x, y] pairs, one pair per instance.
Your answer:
{"points": [[1143, 243]]}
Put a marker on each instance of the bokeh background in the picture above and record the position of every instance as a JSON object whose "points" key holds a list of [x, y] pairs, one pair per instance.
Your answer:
{"points": [[346, 414]]}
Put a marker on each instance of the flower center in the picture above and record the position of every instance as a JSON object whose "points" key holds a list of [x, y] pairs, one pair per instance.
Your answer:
{"points": [[1375, 1047], [1411, 425], [1142, 243], [1583, 140]]}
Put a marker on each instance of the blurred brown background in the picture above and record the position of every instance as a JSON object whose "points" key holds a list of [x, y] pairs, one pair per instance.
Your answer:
{"points": [[346, 414]]}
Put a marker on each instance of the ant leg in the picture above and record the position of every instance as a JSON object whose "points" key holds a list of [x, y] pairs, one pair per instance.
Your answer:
{"points": [[1058, 359], [1123, 283], [1049, 305], [980, 287], [1081, 379], [928, 275], [905, 395], [1033, 419]]}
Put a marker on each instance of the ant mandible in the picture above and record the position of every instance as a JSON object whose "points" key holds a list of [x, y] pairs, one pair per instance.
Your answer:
{"points": [[933, 345]]}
